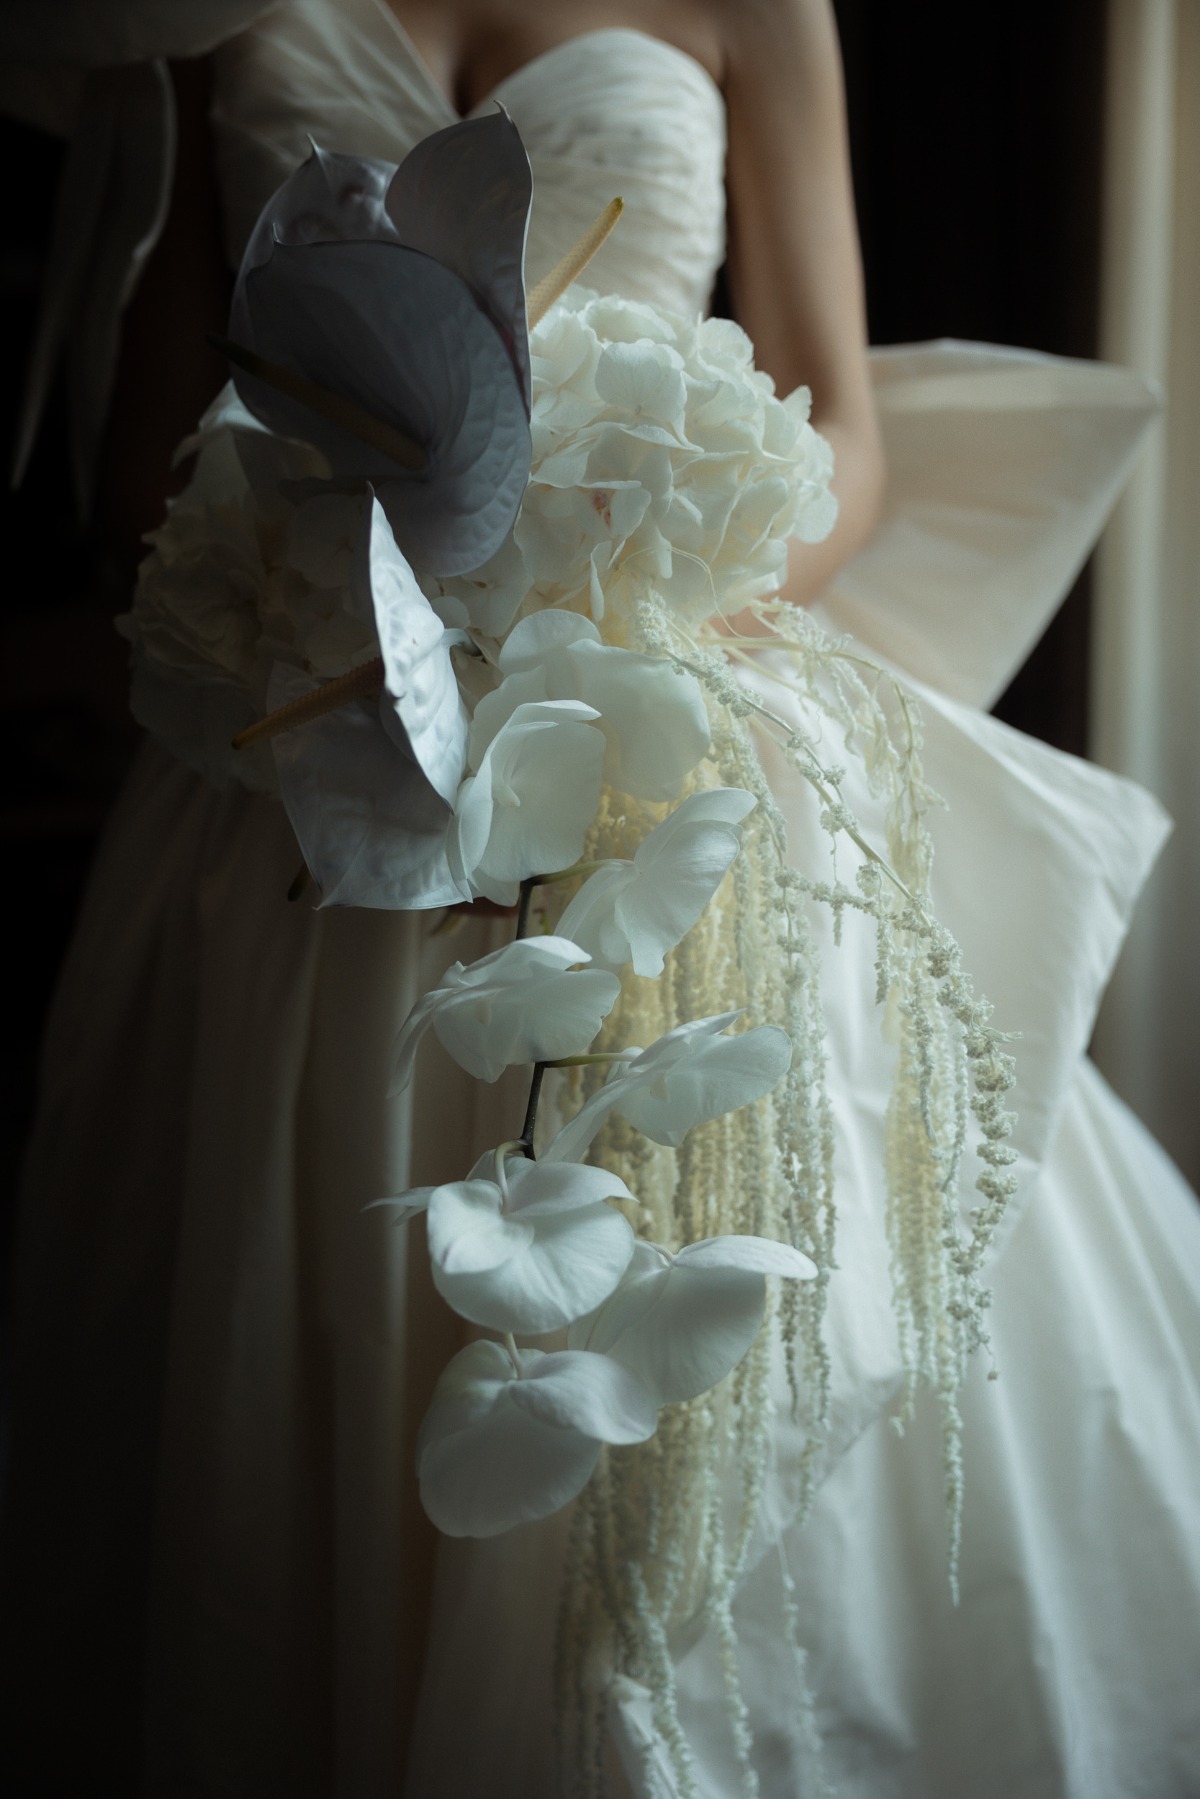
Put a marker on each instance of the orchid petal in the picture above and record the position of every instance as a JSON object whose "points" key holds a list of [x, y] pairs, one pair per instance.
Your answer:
{"points": [[528, 807], [371, 829], [486, 1464], [526, 1002], [757, 1255], [690, 1075], [654, 718], [527, 1271], [575, 1389], [421, 708], [468, 1233], [638, 911]]}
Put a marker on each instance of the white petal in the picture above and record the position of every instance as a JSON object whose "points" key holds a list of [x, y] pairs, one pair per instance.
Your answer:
{"points": [[758, 1255], [405, 1205], [552, 1269], [468, 1234], [587, 1392], [536, 1187], [421, 706], [654, 718], [699, 1325], [719, 1075], [486, 1464]]}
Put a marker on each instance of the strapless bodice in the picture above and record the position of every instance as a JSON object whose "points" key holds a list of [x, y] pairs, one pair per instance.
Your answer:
{"points": [[611, 112]]}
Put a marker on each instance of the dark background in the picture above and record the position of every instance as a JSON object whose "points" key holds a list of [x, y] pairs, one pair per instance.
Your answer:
{"points": [[975, 139]]}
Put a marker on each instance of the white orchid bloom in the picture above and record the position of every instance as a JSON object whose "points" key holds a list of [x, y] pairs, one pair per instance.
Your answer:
{"points": [[636, 911], [692, 1074], [531, 1249], [681, 1322], [653, 717], [527, 807], [527, 1002], [505, 1443]]}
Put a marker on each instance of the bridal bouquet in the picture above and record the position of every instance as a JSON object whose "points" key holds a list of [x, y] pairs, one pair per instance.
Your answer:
{"points": [[439, 579]]}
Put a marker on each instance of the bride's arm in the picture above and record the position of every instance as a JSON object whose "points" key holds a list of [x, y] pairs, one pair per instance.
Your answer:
{"points": [[795, 269]]}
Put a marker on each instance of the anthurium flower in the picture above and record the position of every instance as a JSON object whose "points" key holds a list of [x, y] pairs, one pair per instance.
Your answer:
{"points": [[370, 827], [636, 911], [421, 707], [692, 1074], [369, 788], [681, 1322], [504, 1442], [527, 807], [531, 1249], [399, 291], [654, 719], [527, 1002]]}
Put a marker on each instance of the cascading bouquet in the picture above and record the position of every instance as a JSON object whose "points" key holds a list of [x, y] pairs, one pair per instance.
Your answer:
{"points": [[440, 579]]}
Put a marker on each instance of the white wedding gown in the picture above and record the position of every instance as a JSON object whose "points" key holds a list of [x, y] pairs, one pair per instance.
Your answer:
{"points": [[217, 1575]]}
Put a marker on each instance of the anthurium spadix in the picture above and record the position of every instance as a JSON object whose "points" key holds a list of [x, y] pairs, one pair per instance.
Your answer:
{"points": [[654, 719], [528, 1002], [634, 912], [504, 1443], [692, 1074], [410, 311], [527, 806], [681, 1322], [533, 1248]]}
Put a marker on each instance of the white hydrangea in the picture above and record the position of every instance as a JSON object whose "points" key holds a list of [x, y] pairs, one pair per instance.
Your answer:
{"points": [[247, 570], [662, 458]]}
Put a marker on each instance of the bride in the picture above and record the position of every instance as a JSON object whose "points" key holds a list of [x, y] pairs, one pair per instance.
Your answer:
{"points": [[217, 1575]]}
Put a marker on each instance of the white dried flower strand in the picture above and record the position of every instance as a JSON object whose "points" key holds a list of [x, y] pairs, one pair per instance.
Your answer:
{"points": [[951, 1058]]}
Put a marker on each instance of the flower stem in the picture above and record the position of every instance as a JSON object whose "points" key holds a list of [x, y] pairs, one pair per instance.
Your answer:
{"points": [[531, 1109], [527, 888]]}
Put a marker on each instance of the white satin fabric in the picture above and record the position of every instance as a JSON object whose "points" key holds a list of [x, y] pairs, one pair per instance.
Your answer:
{"points": [[213, 1535]]}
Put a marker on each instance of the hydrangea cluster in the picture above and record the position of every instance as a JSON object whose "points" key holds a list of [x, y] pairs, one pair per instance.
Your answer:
{"points": [[663, 459]]}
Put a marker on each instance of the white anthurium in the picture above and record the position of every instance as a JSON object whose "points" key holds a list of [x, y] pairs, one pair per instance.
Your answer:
{"points": [[681, 1322], [692, 1074], [506, 1442], [654, 719], [634, 912], [527, 808], [371, 829], [532, 1248], [420, 707], [527, 1002]]}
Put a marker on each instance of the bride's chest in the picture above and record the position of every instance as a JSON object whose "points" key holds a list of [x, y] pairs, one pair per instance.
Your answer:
{"points": [[607, 111]]}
